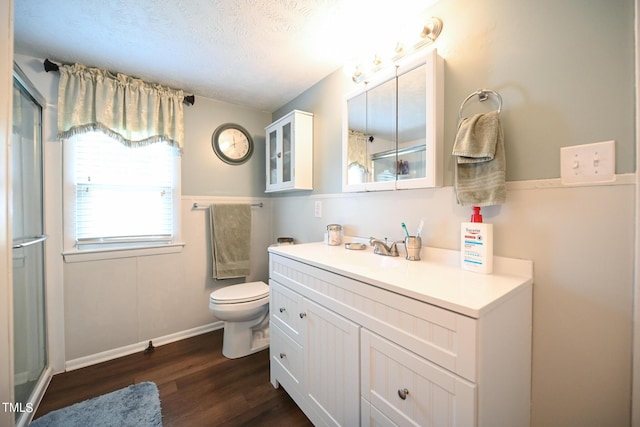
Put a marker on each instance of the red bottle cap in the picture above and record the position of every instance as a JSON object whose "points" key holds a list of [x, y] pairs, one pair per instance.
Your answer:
{"points": [[476, 217]]}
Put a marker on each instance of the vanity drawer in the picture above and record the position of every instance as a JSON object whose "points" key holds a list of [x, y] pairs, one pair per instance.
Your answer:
{"points": [[285, 307], [410, 390], [286, 354], [442, 336]]}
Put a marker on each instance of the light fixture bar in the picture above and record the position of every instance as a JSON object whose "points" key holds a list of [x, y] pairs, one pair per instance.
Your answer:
{"points": [[429, 33]]}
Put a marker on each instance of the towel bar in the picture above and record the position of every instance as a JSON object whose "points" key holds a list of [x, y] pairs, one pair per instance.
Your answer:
{"points": [[197, 206], [483, 95]]}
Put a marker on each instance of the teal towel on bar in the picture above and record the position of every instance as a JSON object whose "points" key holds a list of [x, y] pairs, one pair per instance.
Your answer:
{"points": [[480, 161], [230, 240]]}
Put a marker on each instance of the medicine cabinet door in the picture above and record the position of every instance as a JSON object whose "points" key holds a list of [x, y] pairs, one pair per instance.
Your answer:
{"points": [[370, 148], [420, 123], [392, 128]]}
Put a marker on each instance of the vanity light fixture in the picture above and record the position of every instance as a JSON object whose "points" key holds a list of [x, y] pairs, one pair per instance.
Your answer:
{"points": [[428, 34]]}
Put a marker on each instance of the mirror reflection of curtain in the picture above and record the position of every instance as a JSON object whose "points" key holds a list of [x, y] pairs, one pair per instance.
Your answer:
{"points": [[125, 108], [356, 156]]}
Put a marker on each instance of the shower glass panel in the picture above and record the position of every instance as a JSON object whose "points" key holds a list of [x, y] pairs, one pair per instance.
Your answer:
{"points": [[30, 347]]}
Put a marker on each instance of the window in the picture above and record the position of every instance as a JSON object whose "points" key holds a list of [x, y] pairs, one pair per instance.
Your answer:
{"points": [[119, 197]]}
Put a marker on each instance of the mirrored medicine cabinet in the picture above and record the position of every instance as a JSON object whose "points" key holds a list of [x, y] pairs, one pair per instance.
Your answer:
{"points": [[393, 126]]}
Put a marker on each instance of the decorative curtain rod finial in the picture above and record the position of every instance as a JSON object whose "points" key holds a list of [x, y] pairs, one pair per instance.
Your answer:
{"points": [[50, 66]]}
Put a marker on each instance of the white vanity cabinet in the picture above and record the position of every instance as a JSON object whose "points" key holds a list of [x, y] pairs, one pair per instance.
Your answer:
{"points": [[315, 355], [363, 339], [289, 153]]}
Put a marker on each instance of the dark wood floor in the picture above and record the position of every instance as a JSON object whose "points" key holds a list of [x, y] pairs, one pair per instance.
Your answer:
{"points": [[198, 386]]}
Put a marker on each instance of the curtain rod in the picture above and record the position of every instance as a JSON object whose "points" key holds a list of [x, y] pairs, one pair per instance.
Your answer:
{"points": [[51, 66]]}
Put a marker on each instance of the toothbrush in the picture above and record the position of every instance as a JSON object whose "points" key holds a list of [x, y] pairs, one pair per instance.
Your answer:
{"points": [[404, 227], [420, 227]]}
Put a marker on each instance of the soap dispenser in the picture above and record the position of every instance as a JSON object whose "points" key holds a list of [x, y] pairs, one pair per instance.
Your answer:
{"points": [[476, 244]]}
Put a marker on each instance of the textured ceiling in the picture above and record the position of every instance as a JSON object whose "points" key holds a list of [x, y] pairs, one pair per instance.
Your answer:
{"points": [[260, 54]]}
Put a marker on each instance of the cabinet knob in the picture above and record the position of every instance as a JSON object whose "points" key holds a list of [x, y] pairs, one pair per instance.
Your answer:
{"points": [[403, 393], [279, 155], [283, 355], [282, 309], [303, 315]]}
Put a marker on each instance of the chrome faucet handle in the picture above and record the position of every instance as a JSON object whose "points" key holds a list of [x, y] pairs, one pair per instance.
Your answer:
{"points": [[393, 250]]}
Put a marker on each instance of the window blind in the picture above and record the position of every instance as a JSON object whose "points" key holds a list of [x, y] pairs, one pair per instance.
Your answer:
{"points": [[123, 194]]}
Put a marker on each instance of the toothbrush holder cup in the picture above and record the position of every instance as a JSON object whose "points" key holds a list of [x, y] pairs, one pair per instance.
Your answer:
{"points": [[413, 244]]}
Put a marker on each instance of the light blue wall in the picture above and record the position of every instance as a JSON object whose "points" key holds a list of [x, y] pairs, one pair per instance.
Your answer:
{"points": [[565, 70], [203, 173]]}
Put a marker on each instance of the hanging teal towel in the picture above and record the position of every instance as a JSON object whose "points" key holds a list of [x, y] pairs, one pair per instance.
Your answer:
{"points": [[480, 161], [230, 240]]}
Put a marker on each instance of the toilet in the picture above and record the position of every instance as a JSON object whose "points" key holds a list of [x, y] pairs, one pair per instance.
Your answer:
{"points": [[244, 308]]}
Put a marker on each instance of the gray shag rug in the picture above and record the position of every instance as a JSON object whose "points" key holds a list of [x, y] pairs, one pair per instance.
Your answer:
{"points": [[135, 406]]}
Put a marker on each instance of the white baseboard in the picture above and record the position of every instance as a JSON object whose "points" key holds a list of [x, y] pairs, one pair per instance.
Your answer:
{"points": [[104, 356]]}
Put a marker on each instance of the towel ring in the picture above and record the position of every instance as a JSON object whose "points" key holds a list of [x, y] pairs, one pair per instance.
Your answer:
{"points": [[483, 95]]}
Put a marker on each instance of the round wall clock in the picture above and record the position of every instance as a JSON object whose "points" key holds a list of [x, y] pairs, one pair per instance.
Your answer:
{"points": [[232, 143]]}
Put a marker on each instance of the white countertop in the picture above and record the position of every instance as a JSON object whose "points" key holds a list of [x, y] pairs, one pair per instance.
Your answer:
{"points": [[436, 279]]}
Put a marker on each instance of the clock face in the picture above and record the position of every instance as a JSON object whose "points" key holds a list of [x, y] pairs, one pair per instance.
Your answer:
{"points": [[232, 144]]}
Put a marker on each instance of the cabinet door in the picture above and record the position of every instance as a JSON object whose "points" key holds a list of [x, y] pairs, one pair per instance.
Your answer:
{"points": [[289, 153], [420, 123], [280, 155], [272, 158], [332, 364], [410, 390]]}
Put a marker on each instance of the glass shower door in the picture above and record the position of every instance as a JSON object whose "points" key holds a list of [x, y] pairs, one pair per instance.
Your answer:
{"points": [[30, 347]]}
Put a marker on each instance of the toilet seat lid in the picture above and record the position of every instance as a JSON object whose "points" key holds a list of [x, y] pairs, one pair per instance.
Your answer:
{"points": [[243, 292]]}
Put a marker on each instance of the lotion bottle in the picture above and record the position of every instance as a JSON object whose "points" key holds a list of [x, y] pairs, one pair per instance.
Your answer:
{"points": [[476, 244]]}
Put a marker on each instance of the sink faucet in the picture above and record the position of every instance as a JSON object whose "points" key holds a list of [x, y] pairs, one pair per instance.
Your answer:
{"points": [[381, 248]]}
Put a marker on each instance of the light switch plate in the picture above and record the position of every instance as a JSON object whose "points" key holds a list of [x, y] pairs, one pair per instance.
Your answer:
{"points": [[588, 163], [317, 209]]}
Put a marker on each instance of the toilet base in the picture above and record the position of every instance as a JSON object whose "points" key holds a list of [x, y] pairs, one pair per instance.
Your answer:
{"points": [[244, 338]]}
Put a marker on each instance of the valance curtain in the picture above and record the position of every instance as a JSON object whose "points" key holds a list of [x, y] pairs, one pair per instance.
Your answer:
{"points": [[123, 107], [357, 149]]}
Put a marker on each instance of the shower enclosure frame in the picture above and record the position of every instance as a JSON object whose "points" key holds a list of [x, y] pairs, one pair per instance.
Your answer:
{"points": [[6, 324], [26, 412]]}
